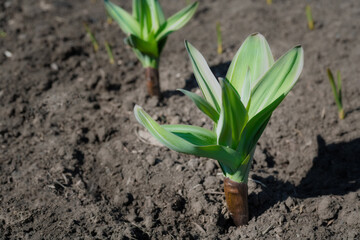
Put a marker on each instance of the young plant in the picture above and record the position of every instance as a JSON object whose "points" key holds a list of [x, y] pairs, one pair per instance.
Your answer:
{"points": [[109, 52], [269, 2], [337, 92], [309, 17], [92, 37], [147, 31], [240, 107], [219, 38]]}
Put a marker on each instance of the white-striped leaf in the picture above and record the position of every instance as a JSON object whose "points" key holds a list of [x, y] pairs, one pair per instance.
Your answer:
{"points": [[202, 104], [278, 81], [208, 84], [177, 21], [126, 22], [189, 139], [233, 116], [255, 54]]}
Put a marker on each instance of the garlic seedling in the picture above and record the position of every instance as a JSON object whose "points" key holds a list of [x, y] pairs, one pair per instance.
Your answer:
{"points": [[147, 31], [240, 107], [337, 91]]}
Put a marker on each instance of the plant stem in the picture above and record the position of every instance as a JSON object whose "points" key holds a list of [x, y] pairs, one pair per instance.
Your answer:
{"points": [[152, 81], [236, 195], [309, 17]]}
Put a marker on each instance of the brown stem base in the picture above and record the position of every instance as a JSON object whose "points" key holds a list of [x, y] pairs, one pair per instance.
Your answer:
{"points": [[236, 195], [152, 81]]}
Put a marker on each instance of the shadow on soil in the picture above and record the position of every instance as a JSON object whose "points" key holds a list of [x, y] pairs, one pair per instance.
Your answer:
{"points": [[335, 171]]}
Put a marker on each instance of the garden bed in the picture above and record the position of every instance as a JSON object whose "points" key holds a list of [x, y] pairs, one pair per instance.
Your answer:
{"points": [[75, 163]]}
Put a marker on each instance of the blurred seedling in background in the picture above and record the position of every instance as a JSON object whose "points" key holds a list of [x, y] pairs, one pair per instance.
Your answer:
{"points": [[240, 107], [92, 38], [147, 31], [337, 88], [309, 17], [219, 38], [2, 34], [269, 2], [109, 52]]}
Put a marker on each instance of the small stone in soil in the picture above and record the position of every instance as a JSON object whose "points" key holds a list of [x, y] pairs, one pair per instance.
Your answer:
{"points": [[327, 209]]}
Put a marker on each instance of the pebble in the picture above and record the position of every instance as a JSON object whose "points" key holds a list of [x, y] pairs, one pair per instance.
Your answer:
{"points": [[151, 160], [196, 207], [148, 222], [327, 208], [211, 182], [193, 163], [210, 166]]}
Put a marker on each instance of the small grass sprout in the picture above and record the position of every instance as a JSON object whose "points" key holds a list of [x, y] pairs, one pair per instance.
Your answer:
{"points": [[2, 34], [147, 31], [92, 38], [309, 17], [337, 88], [219, 38], [109, 52], [240, 105], [269, 2]]}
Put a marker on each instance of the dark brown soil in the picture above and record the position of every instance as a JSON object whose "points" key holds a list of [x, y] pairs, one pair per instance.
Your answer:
{"points": [[75, 164]]}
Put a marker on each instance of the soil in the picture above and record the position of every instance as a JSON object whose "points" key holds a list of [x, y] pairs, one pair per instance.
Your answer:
{"points": [[75, 164]]}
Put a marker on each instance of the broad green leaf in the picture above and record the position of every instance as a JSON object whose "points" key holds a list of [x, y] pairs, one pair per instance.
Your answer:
{"points": [[157, 16], [193, 134], [147, 47], [255, 126], [278, 81], [203, 105], [255, 54], [136, 9], [126, 22], [205, 78], [226, 156], [233, 116], [177, 21], [159, 12], [246, 90]]}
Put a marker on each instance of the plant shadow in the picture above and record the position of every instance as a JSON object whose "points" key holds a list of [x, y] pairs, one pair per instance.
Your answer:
{"points": [[190, 83], [335, 171]]}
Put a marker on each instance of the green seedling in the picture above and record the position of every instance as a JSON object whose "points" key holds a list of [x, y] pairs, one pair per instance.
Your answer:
{"points": [[109, 52], [2, 34], [337, 92], [309, 17], [240, 107], [269, 2], [147, 31], [92, 37], [219, 38]]}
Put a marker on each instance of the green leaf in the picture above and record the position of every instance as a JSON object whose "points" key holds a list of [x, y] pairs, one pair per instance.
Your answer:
{"points": [[233, 116], [203, 105], [126, 22], [255, 54], [255, 126], [226, 156], [204, 77], [246, 90], [146, 47], [177, 21], [157, 16], [193, 134], [278, 81]]}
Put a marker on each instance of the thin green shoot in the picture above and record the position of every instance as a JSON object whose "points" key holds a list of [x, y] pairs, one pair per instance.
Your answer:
{"points": [[337, 91], [92, 37], [219, 38], [269, 2], [109, 52], [2, 34], [309, 17]]}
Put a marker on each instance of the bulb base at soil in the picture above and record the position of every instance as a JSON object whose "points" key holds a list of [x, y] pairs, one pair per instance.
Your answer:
{"points": [[236, 195], [152, 81]]}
